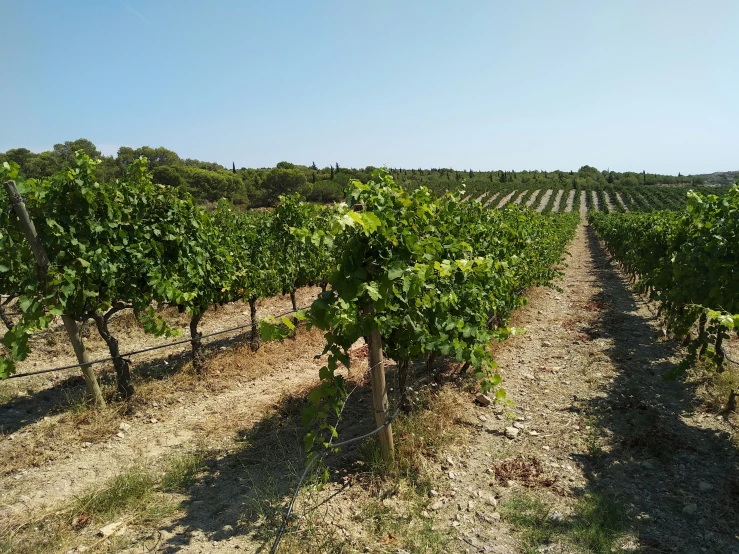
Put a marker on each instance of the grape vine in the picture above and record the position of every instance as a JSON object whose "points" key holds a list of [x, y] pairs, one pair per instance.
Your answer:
{"points": [[688, 261]]}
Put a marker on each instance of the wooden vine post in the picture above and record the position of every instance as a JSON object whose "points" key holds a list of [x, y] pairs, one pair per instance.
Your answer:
{"points": [[42, 265], [379, 392]]}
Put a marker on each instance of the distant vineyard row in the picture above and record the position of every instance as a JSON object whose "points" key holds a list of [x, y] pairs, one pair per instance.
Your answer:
{"points": [[132, 244], [603, 199]]}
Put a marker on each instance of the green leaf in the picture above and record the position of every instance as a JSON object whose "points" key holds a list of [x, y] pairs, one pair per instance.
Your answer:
{"points": [[373, 292], [7, 368], [396, 270]]}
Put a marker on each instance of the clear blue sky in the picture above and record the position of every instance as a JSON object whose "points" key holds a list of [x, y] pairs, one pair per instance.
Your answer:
{"points": [[546, 84]]}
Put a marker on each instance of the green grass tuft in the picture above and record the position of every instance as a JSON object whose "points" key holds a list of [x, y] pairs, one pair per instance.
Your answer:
{"points": [[124, 491], [599, 523], [182, 471]]}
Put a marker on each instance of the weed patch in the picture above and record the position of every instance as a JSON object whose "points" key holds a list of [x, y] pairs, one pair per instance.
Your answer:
{"points": [[598, 524]]}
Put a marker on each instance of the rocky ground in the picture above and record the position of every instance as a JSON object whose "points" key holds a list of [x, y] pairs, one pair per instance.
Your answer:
{"points": [[592, 414]]}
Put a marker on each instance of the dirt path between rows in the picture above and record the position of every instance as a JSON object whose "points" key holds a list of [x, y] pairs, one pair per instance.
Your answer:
{"points": [[609, 203], [621, 202], [595, 200], [570, 201], [174, 423], [491, 199], [532, 198], [592, 408], [505, 199], [545, 200], [557, 200], [520, 198], [583, 206]]}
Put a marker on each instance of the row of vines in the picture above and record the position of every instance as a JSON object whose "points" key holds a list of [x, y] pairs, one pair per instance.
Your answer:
{"points": [[132, 244], [688, 260], [426, 276], [604, 198], [422, 277]]}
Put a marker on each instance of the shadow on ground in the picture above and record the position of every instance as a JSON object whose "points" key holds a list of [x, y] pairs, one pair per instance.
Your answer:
{"points": [[243, 495], [678, 475], [245, 492], [31, 407]]}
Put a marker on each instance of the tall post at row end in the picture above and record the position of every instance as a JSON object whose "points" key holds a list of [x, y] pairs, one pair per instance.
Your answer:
{"points": [[42, 266]]}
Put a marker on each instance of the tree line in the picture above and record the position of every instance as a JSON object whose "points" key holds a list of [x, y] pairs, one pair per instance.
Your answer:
{"points": [[257, 187]]}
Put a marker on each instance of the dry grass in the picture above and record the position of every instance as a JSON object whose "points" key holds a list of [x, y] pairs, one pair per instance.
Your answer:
{"points": [[420, 435], [74, 422], [133, 499], [718, 386], [528, 472], [387, 506]]}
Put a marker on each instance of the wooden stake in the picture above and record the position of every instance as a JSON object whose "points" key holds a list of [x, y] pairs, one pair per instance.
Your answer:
{"points": [[42, 266], [93, 389], [379, 395]]}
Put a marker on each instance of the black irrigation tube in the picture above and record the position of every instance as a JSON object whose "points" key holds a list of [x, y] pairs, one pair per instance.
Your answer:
{"points": [[726, 356], [281, 532], [290, 506], [149, 349]]}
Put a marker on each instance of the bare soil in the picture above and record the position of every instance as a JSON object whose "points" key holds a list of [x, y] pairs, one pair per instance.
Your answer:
{"points": [[621, 201], [491, 199], [558, 200], [570, 201], [609, 203], [545, 199], [532, 198], [505, 199]]}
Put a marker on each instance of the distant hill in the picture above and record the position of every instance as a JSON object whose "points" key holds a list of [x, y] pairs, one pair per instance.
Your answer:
{"points": [[720, 177]]}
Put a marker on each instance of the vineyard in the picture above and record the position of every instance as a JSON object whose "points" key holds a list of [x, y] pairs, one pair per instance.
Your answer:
{"points": [[607, 199], [688, 261], [406, 287], [134, 245]]}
